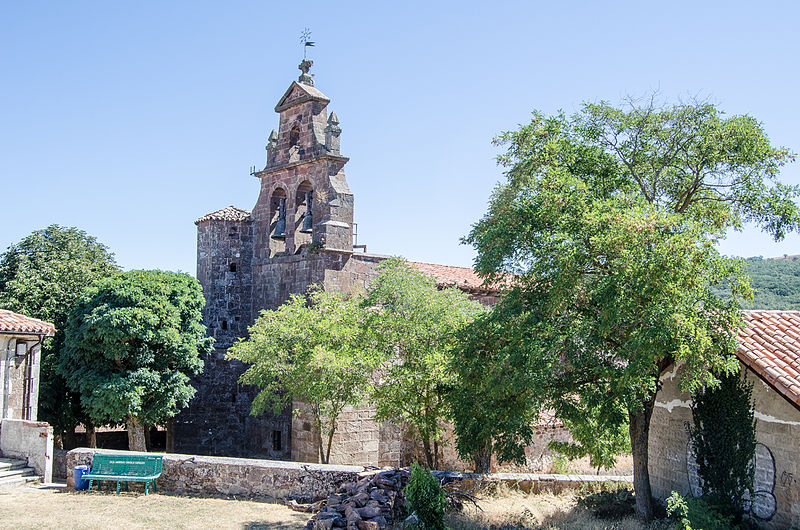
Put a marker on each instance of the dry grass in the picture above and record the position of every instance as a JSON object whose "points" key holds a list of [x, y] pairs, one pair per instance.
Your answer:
{"points": [[38, 507], [513, 509]]}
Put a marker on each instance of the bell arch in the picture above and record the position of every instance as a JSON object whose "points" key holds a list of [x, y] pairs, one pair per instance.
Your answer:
{"points": [[277, 221], [303, 214]]}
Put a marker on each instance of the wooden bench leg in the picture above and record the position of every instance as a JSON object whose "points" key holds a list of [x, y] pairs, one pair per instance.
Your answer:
{"points": [[126, 486], [146, 487], [154, 486], [90, 485], [118, 487]]}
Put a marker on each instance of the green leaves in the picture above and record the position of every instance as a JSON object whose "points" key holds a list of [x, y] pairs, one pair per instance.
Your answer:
{"points": [[312, 349], [415, 326], [42, 276], [609, 219], [133, 340]]}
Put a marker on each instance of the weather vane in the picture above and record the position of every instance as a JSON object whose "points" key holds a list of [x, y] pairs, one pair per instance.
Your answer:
{"points": [[305, 40]]}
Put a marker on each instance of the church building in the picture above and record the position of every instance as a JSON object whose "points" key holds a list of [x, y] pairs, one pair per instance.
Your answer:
{"points": [[299, 233]]}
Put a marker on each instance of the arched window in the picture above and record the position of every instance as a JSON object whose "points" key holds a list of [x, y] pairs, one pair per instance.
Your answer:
{"points": [[277, 223]]}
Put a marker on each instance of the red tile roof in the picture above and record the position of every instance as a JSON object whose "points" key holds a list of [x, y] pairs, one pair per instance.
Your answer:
{"points": [[230, 213], [770, 346], [11, 322], [451, 276]]}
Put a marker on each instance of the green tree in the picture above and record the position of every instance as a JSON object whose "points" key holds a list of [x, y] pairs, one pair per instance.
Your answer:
{"points": [[415, 324], [311, 350], [132, 342], [42, 277], [609, 219], [724, 440]]}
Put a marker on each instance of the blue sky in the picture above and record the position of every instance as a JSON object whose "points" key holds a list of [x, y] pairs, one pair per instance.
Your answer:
{"points": [[130, 120]]}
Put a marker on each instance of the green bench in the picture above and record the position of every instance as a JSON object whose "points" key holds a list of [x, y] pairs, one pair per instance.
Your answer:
{"points": [[125, 468]]}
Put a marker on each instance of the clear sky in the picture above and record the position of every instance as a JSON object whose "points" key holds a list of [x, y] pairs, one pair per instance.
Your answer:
{"points": [[132, 119]]}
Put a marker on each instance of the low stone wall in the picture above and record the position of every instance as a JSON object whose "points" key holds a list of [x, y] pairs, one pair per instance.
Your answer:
{"points": [[246, 477], [530, 482], [29, 440]]}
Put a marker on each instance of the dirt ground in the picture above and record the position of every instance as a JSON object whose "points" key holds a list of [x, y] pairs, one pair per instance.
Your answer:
{"points": [[513, 509], [55, 507]]}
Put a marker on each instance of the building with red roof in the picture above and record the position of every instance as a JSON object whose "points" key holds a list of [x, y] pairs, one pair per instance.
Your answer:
{"points": [[769, 353], [20, 352]]}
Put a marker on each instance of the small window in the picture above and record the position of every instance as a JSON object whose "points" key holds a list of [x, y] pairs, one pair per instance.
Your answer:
{"points": [[294, 136], [224, 324], [276, 440], [232, 267]]}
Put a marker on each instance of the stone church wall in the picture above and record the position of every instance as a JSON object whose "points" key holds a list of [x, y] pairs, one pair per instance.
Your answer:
{"points": [[777, 481]]}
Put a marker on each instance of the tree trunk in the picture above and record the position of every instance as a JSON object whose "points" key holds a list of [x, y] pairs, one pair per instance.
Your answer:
{"points": [[147, 443], [483, 458], [135, 435], [639, 430], [91, 436], [330, 442], [170, 435], [435, 454], [426, 445], [68, 439]]}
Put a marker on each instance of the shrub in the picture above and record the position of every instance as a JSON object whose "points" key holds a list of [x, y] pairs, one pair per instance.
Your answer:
{"points": [[724, 438], [696, 513], [426, 498]]}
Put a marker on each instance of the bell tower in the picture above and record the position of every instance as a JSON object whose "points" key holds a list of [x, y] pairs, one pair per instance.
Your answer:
{"points": [[304, 200]]}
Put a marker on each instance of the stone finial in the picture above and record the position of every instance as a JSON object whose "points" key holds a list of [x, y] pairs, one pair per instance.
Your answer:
{"points": [[332, 132], [272, 143], [305, 66]]}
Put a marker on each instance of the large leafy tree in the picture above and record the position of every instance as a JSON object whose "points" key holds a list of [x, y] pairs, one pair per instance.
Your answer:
{"points": [[416, 325], [42, 276], [132, 342], [311, 349], [609, 218]]}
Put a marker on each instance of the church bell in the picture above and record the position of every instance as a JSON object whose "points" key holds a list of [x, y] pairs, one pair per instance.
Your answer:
{"points": [[308, 220], [280, 226]]}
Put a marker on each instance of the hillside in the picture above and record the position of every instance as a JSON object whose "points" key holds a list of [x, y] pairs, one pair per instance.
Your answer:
{"points": [[776, 282]]}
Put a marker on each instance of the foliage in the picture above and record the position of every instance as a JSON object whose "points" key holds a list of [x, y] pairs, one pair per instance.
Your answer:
{"points": [[724, 439], [415, 324], [42, 277], [602, 443], [610, 219], [314, 350], [776, 283], [132, 341], [426, 498], [609, 504], [696, 513], [493, 406]]}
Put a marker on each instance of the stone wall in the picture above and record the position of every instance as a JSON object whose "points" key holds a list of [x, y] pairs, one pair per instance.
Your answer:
{"points": [[189, 474], [777, 483], [31, 441]]}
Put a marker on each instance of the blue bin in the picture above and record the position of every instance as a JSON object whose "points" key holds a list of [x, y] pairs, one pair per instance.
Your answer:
{"points": [[77, 475]]}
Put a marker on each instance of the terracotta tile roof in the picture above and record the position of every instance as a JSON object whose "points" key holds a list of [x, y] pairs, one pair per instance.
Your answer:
{"points": [[770, 346], [11, 322], [231, 213], [451, 276]]}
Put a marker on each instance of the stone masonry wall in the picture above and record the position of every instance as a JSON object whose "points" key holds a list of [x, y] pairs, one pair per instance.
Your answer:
{"points": [[236, 476], [777, 482]]}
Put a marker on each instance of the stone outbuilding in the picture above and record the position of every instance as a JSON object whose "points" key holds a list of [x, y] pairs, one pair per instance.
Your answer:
{"points": [[769, 353], [22, 438], [20, 353]]}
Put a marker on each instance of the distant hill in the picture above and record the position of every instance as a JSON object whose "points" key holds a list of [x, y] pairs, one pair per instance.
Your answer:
{"points": [[776, 282]]}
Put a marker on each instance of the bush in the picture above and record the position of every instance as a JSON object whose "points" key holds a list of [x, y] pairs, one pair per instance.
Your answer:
{"points": [[724, 438], [696, 513], [426, 498]]}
